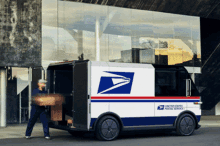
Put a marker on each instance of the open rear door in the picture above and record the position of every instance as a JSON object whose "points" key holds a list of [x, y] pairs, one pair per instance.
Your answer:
{"points": [[80, 95]]}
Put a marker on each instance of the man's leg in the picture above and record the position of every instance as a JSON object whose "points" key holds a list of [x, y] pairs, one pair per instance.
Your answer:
{"points": [[32, 120], [44, 121]]}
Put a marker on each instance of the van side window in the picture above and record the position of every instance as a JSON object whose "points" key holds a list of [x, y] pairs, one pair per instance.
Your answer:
{"points": [[182, 76], [165, 83]]}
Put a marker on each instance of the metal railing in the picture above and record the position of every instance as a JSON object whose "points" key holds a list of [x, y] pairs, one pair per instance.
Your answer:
{"points": [[23, 111], [23, 115]]}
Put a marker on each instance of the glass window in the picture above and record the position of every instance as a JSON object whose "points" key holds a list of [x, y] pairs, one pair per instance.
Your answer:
{"points": [[196, 42], [166, 83], [182, 76], [119, 32], [70, 28]]}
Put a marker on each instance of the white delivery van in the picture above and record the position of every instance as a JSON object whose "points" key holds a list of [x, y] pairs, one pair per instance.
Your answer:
{"points": [[108, 97]]}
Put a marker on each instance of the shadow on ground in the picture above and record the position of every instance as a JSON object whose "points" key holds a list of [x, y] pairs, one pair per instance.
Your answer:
{"points": [[127, 135]]}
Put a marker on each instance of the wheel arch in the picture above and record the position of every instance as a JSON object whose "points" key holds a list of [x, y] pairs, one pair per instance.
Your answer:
{"points": [[186, 112], [108, 114]]}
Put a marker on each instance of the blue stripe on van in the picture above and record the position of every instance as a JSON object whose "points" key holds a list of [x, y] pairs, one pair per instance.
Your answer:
{"points": [[145, 121], [145, 100]]}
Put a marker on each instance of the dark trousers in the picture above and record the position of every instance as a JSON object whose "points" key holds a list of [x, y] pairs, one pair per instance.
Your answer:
{"points": [[37, 112]]}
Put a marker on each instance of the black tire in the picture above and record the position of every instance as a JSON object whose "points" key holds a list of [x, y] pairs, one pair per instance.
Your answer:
{"points": [[185, 125], [107, 128], [77, 133]]}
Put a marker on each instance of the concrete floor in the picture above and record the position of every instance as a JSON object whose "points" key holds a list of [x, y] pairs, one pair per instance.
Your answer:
{"points": [[18, 130]]}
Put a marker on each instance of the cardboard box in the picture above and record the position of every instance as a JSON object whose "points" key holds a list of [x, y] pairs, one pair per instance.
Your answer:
{"points": [[45, 101], [59, 99], [53, 100], [49, 100], [56, 113]]}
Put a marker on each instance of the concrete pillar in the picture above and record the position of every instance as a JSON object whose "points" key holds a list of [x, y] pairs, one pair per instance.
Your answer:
{"points": [[80, 42], [217, 109], [45, 73], [42, 74], [97, 39], [3, 80], [30, 89]]}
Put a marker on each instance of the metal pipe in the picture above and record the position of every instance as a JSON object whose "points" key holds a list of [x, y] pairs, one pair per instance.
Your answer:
{"points": [[73, 108], [20, 107], [42, 73], [97, 38], [29, 93], [45, 74], [3, 97], [54, 76]]}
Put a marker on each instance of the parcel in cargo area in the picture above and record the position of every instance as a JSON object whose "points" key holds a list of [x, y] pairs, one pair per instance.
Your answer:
{"points": [[56, 113]]}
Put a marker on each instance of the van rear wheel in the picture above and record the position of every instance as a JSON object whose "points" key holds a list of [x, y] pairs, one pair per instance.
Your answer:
{"points": [[107, 128], [185, 125]]}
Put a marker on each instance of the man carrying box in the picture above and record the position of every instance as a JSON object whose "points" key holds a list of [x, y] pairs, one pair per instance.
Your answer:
{"points": [[38, 111]]}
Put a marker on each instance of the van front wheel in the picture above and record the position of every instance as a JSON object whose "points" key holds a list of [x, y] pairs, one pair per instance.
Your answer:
{"points": [[107, 128], [185, 125]]}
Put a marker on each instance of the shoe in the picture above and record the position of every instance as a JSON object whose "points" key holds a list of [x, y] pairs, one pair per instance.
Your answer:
{"points": [[47, 137], [27, 137]]}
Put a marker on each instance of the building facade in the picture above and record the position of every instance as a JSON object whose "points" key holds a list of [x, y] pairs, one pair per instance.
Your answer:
{"points": [[107, 33], [35, 33]]}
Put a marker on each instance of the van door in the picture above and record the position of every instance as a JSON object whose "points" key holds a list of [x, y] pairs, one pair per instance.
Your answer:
{"points": [[170, 99], [80, 95]]}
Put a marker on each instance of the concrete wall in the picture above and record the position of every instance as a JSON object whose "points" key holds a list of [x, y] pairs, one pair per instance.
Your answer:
{"points": [[20, 32]]}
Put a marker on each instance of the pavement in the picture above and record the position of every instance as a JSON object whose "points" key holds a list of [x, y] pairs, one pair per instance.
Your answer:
{"points": [[18, 130]]}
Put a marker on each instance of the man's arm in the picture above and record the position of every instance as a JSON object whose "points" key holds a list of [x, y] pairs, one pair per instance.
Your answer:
{"points": [[33, 99], [34, 96]]}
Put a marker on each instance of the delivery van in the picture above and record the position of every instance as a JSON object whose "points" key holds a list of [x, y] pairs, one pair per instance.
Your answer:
{"points": [[109, 97]]}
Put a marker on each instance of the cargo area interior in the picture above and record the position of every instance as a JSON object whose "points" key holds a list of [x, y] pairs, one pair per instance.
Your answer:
{"points": [[60, 80], [69, 80]]}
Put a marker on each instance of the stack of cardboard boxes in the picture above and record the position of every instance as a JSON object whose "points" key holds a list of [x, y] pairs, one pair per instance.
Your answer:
{"points": [[53, 100]]}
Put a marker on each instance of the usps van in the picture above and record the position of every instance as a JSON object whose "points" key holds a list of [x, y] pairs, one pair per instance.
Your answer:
{"points": [[108, 97]]}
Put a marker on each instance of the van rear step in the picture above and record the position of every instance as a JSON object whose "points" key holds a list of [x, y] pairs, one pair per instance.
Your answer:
{"points": [[64, 127]]}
